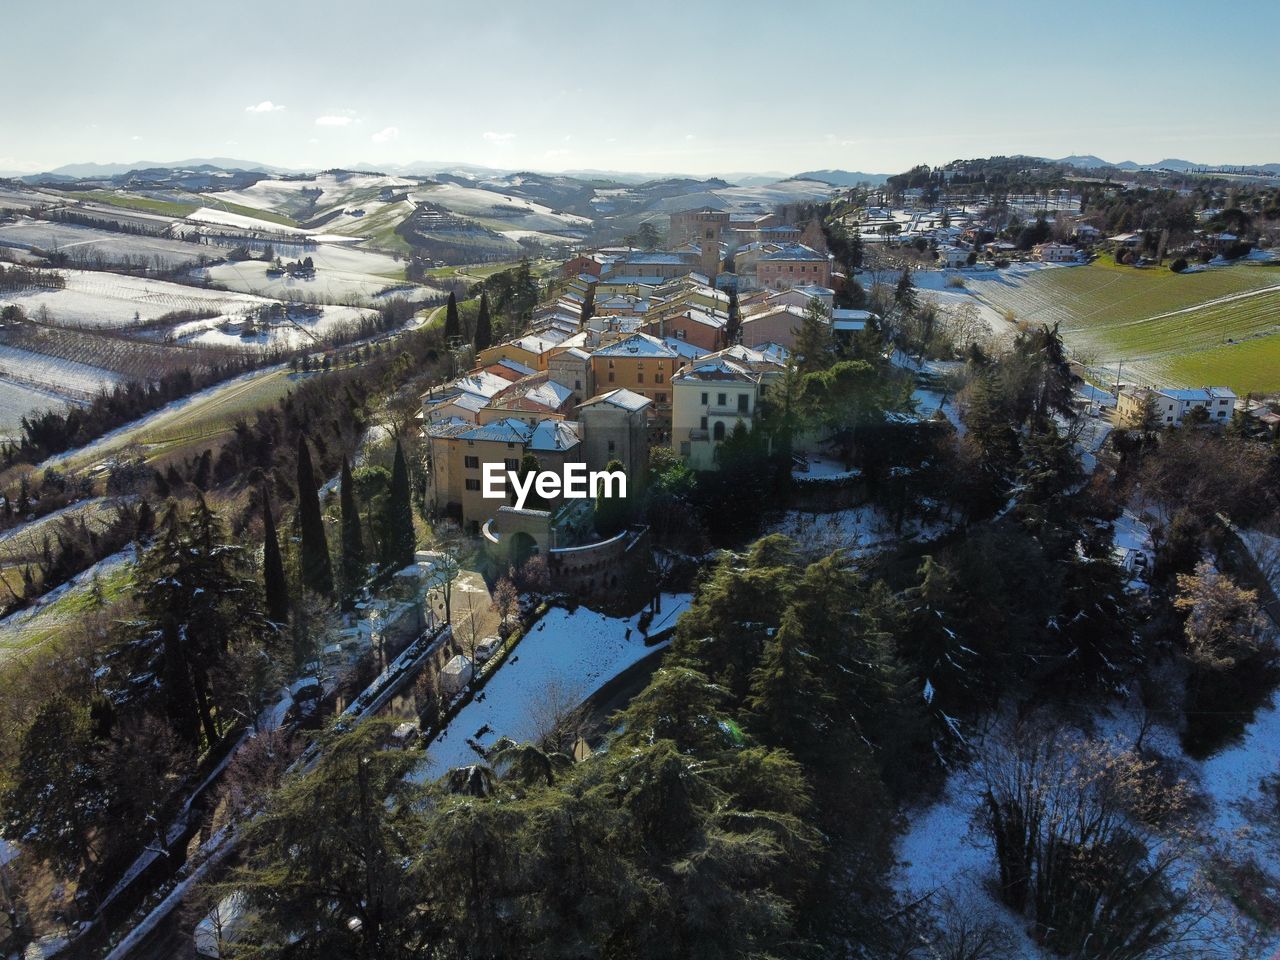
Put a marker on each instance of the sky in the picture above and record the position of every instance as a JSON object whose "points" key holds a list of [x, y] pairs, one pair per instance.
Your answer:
{"points": [[655, 86]]}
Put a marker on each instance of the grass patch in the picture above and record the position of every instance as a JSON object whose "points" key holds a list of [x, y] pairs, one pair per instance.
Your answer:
{"points": [[166, 208], [48, 623], [212, 201]]}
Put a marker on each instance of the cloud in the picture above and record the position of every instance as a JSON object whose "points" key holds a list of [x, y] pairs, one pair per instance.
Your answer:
{"points": [[498, 137], [135, 137], [334, 120], [266, 106], [552, 154], [386, 135], [690, 136], [314, 140]]}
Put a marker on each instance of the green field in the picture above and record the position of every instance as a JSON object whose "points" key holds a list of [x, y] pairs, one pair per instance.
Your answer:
{"points": [[146, 204], [1216, 326]]}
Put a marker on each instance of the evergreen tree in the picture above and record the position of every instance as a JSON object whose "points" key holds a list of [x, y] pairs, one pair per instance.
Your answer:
{"points": [[400, 541], [352, 568], [55, 801], [904, 294], [198, 599], [484, 329], [275, 586], [349, 831], [452, 326], [733, 326], [813, 346], [317, 569], [612, 513]]}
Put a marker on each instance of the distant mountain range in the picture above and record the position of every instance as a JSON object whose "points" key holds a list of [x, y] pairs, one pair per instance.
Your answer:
{"points": [[1090, 162], [82, 171]]}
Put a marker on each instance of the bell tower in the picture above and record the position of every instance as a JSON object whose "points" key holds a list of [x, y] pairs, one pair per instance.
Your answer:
{"points": [[710, 241]]}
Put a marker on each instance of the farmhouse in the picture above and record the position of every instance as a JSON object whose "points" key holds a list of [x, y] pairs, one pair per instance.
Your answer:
{"points": [[1171, 406]]}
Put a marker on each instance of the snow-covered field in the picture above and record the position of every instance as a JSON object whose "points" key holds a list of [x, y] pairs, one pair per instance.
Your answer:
{"points": [[513, 212], [570, 653], [109, 300], [91, 243], [336, 189], [342, 272], [296, 333], [19, 399], [54, 373]]}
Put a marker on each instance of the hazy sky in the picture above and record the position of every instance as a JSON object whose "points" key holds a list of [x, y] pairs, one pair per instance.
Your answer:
{"points": [[688, 86]]}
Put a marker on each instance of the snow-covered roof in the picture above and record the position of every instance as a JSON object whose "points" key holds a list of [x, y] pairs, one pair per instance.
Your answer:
{"points": [[622, 397], [716, 370], [482, 383], [638, 345]]}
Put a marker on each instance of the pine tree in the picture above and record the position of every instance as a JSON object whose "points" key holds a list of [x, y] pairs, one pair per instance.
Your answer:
{"points": [[452, 327], [400, 542], [317, 570], [275, 586], [484, 330], [352, 570]]}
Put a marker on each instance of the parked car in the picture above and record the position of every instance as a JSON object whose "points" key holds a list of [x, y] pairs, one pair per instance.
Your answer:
{"points": [[486, 648]]}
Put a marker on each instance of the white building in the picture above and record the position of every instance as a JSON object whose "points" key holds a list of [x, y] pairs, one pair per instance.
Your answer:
{"points": [[1172, 406]]}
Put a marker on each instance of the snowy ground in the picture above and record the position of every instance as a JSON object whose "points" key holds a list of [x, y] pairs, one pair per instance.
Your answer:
{"points": [[109, 300], [89, 242], [858, 530], [513, 212], [572, 654], [942, 854], [55, 374], [19, 399], [342, 273]]}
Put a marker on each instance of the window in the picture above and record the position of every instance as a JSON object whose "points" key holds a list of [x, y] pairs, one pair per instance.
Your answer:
{"points": [[720, 400], [612, 445], [577, 384], [657, 378], [718, 432], [473, 484], [685, 448], [704, 399], [662, 398], [704, 423], [682, 335], [471, 463], [640, 377], [611, 376], [744, 403], [610, 364], [512, 464]]}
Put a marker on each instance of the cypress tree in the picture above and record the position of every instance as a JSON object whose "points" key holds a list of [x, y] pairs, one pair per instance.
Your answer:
{"points": [[484, 329], [400, 542], [275, 587], [733, 326], [352, 570], [452, 328], [317, 572]]}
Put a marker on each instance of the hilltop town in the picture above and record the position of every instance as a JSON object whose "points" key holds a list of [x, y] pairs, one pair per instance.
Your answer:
{"points": [[679, 482]]}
